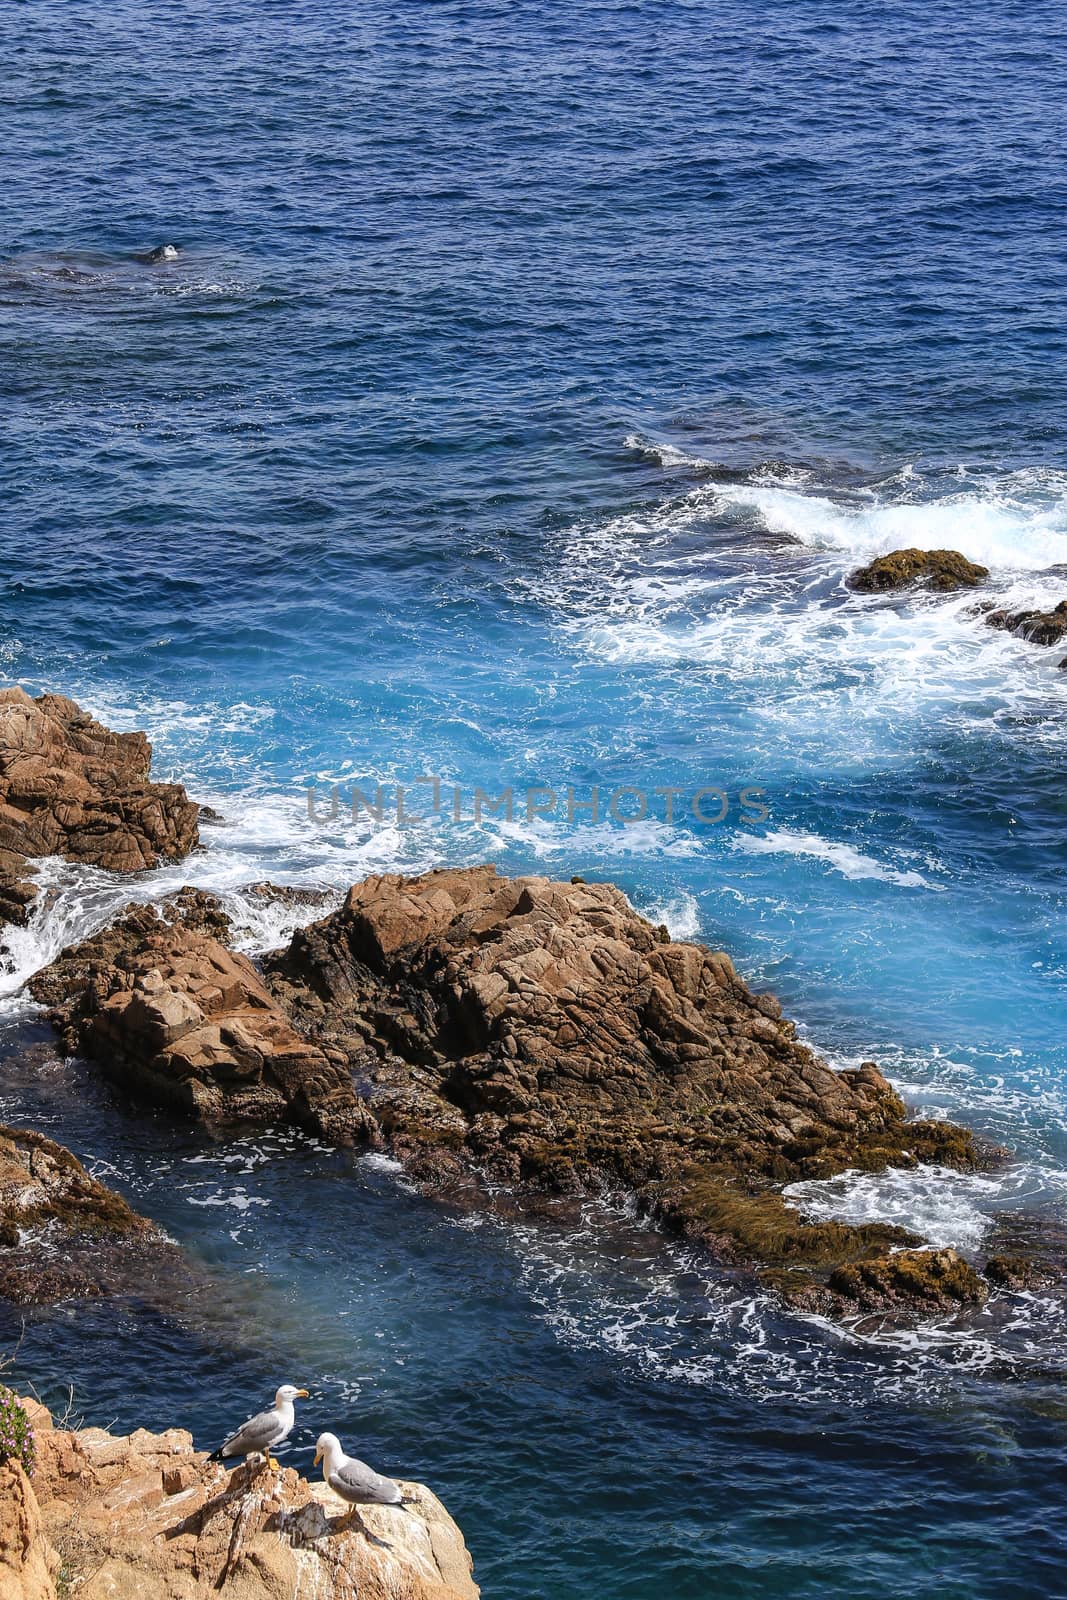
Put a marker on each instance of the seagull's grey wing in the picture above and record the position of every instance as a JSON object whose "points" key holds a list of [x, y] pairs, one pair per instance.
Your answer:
{"points": [[258, 1433], [362, 1486]]}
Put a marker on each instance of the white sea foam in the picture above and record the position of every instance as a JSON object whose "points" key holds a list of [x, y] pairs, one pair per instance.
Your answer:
{"points": [[608, 1284], [943, 1206], [843, 858], [679, 914], [238, 1198], [1015, 521], [989, 525], [693, 586]]}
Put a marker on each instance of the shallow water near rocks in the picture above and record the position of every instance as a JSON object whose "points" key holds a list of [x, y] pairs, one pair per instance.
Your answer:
{"points": [[528, 384]]}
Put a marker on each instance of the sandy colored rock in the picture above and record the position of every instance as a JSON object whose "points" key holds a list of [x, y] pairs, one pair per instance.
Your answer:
{"points": [[29, 1565], [943, 570], [70, 787], [145, 1517], [182, 1021], [547, 1034]]}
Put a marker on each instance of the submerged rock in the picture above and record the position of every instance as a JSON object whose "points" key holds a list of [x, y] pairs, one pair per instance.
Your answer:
{"points": [[1039, 627], [546, 1033], [943, 570], [63, 1234], [70, 787], [178, 1019], [147, 1517]]}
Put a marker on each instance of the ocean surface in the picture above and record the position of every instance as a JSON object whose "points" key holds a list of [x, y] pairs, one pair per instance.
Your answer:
{"points": [[530, 379]]}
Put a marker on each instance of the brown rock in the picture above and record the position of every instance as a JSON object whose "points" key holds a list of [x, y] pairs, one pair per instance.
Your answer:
{"points": [[931, 569], [178, 1019], [1013, 1272], [1039, 627], [72, 788], [546, 1033], [145, 1517]]}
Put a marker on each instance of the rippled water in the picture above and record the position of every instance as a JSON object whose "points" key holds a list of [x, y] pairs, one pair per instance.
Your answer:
{"points": [[529, 382]]}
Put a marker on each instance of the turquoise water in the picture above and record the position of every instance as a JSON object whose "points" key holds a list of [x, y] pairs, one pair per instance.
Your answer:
{"points": [[528, 383]]}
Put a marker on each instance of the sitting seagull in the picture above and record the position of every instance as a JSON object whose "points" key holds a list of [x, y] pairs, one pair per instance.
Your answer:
{"points": [[265, 1430], [353, 1480]]}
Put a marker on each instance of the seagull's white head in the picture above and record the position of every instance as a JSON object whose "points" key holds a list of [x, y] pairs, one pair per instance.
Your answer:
{"points": [[287, 1392], [327, 1444]]}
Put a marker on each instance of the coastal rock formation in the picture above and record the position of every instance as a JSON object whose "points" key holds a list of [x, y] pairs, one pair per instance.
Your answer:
{"points": [[29, 1565], [540, 1033], [178, 1019], [145, 1517], [1039, 627], [63, 1234], [70, 787], [943, 570], [546, 1033]]}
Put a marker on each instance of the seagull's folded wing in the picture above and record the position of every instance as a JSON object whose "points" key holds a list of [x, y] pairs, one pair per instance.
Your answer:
{"points": [[258, 1433], [357, 1482]]}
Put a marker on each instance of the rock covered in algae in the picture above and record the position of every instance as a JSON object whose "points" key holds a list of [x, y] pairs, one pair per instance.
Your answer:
{"points": [[943, 570]]}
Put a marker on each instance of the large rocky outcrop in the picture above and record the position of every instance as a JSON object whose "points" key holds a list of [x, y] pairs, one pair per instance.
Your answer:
{"points": [[70, 787], [63, 1234], [942, 570], [178, 1019], [549, 1034], [543, 1033], [145, 1517]]}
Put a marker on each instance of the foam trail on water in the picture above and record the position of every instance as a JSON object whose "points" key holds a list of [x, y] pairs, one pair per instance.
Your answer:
{"points": [[944, 1206], [843, 858]]}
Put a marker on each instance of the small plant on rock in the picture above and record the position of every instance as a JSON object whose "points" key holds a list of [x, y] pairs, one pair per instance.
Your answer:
{"points": [[16, 1435]]}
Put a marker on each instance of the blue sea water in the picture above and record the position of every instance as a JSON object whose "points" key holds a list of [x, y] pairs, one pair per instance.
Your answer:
{"points": [[530, 379]]}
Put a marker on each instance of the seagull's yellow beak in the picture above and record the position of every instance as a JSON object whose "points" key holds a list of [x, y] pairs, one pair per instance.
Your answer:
{"points": [[318, 1457], [301, 1394]]}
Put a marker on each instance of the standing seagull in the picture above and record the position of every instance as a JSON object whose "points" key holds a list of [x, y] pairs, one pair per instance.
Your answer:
{"points": [[265, 1430], [353, 1480]]}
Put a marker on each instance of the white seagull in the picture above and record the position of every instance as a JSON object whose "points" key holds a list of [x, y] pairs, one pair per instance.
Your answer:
{"points": [[353, 1480], [265, 1430]]}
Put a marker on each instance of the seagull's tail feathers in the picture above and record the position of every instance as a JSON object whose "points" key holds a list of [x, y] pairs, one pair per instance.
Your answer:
{"points": [[219, 1454]]}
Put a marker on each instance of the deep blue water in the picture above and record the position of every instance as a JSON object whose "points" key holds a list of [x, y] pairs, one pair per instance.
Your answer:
{"points": [[529, 381]]}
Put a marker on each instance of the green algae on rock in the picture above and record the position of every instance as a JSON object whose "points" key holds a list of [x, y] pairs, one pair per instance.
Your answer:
{"points": [[62, 1233], [943, 570]]}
